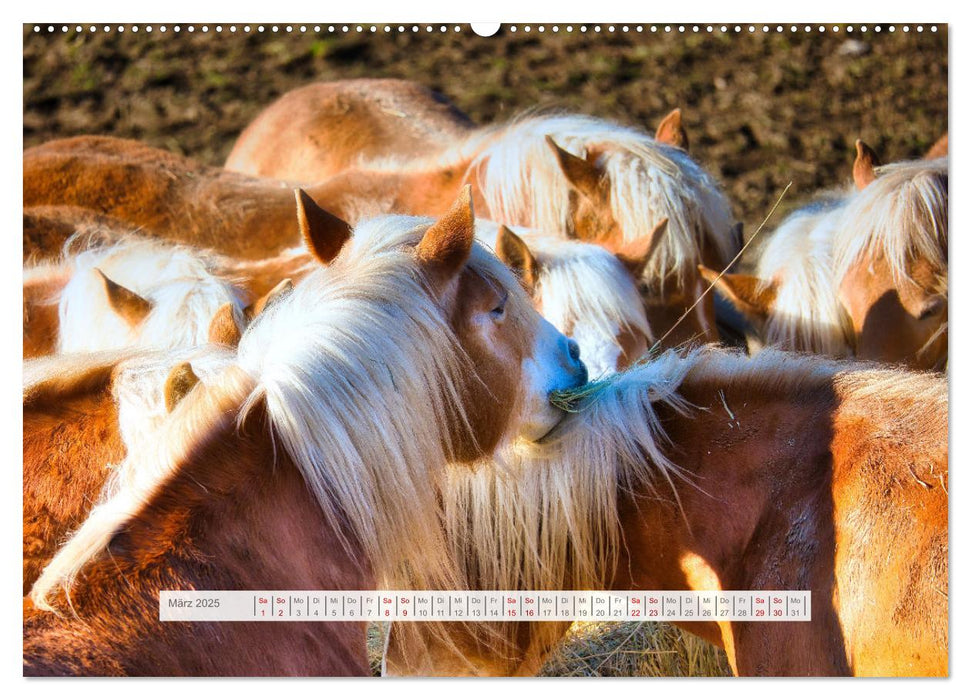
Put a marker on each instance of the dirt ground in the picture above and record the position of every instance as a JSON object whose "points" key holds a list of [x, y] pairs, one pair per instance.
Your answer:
{"points": [[761, 110]]}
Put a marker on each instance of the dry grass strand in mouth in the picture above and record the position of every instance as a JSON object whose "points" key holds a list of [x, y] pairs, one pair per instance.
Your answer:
{"points": [[577, 398], [573, 400]]}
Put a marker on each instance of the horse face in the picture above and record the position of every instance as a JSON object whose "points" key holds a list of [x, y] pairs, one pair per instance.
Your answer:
{"points": [[518, 358], [903, 320]]}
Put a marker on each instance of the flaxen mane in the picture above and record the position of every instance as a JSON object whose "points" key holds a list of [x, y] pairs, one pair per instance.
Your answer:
{"points": [[902, 214], [583, 290], [807, 313], [358, 371], [180, 284], [522, 181]]}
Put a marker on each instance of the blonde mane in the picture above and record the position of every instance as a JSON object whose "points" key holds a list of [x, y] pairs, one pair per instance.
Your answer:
{"points": [[179, 282], [522, 182], [584, 291], [359, 372], [807, 313], [901, 214]]}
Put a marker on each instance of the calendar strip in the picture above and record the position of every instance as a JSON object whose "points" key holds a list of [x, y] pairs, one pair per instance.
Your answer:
{"points": [[483, 606]]}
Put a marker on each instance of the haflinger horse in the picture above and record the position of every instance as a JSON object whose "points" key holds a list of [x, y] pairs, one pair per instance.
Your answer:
{"points": [[857, 273], [134, 293], [589, 178], [582, 289], [113, 288], [586, 292], [310, 462], [715, 471], [127, 393]]}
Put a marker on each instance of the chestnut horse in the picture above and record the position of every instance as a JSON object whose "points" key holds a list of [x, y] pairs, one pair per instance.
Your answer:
{"points": [[113, 288], [137, 292], [719, 472], [308, 463], [591, 178], [859, 273]]}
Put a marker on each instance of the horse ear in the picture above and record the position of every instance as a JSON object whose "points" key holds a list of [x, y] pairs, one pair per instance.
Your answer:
{"points": [[223, 328], [750, 295], [582, 173], [866, 161], [447, 243], [322, 232], [257, 307], [636, 254], [179, 383], [938, 150], [514, 252], [671, 132], [124, 301]]}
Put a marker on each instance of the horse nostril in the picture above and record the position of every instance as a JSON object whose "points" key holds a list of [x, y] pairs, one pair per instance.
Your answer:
{"points": [[574, 349], [582, 375]]}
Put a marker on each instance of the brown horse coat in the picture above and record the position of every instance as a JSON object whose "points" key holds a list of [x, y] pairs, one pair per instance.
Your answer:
{"points": [[166, 196], [795, 473]]}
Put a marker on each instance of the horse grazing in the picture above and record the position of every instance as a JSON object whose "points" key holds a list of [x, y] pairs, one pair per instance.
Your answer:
{"points": [[714, 471], [590, 178], [166, 196], [857, 273], [311, 461], [586, 292]]}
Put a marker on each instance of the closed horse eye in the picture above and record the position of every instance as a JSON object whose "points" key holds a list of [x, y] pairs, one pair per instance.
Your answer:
{"points": [[931, 308], [500, 308]]}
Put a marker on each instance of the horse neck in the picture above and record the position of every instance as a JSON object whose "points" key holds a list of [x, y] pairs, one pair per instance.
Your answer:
{"points": [[69, 438], [237, 485], [258, 277], [749, 453]]}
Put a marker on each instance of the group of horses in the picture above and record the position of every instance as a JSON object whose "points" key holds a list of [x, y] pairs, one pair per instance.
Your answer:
{"points": [[385, 348]]}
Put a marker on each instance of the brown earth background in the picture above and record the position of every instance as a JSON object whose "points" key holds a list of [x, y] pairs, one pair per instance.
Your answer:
{"points": [[761, 109]]}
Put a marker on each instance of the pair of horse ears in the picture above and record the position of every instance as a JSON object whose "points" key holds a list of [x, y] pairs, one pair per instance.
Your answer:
{"points": [[515, 253], [754, 298]]}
